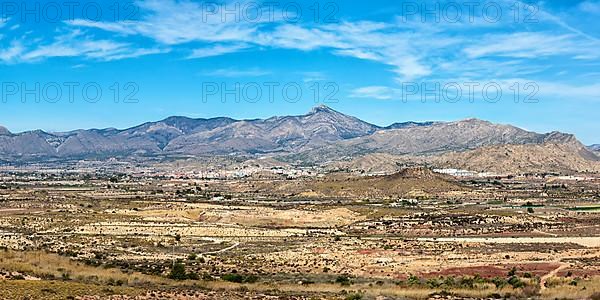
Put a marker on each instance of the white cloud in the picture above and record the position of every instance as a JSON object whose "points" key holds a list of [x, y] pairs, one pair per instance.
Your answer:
{"points": [[232, 72], [132, 53], [171, 23], [543, 15], [75, 44], [113, 27], [374, 92], [568, 92], [530, 45], [372, 41], [175, 22], [410, 50], [12, 53], [591, 7], [311, 76], [216, 50]]}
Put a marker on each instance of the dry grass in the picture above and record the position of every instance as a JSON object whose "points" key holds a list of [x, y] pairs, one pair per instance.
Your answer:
{"points": [[49, 290], [370, 291], [46, 265], [560, 289], [87, 280]]}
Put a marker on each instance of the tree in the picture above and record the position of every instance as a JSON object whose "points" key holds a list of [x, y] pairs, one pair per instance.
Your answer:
{"points": [[178, 272]]}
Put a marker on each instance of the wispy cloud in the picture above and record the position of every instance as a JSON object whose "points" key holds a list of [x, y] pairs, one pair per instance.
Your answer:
{"points": [[530, 45], [374, 92], [570, 92], [75, 44], [216, 50], [591, 7], [373, 41], [232, 72], [311, 76], [410, 50], [530, 90], [175, 22], [13, 52]]}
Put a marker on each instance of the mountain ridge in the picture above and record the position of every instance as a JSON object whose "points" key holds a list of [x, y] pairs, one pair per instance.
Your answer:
{"points": [[323, 134]]}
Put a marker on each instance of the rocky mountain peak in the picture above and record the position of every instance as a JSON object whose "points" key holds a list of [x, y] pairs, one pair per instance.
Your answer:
{"points": [[473, 121], [560, 138], [323, 109], [4, 131]]}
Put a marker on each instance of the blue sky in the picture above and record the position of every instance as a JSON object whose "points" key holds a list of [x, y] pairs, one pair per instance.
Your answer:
{"points": [[384, 62]]}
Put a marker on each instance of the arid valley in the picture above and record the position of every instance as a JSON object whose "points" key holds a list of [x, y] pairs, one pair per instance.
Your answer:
{"points": [[414, 233]]}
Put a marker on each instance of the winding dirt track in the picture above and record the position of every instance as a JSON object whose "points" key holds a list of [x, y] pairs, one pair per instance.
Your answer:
{"points": [[222, 250], [551, 274]]}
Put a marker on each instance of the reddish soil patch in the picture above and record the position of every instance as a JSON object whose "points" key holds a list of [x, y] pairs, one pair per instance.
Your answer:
{"points": [[535, 269], [483, 271], [367, 251], [319, 250], [578, 273]]}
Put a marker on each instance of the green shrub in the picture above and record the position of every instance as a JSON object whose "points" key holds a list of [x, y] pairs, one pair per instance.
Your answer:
{"points": [[515, 282], [233, 278], [250, 279], [354, 297], [413, 280], [238, 278], [433, 283], [178, 272], [499, 282], [467, 282], [449, 281], [343, 280]]}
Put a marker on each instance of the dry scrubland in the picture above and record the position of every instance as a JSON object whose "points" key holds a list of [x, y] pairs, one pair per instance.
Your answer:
{"points": [[414, 234]]}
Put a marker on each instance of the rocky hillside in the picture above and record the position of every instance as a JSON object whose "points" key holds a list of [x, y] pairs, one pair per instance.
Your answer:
{"points": [[407, 182], [547, 157], [181, 135], [322, 125], [322, 136], [434, 139]]}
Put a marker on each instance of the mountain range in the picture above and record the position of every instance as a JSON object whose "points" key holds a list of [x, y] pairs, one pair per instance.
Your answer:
{"points": [[319, 136]]}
